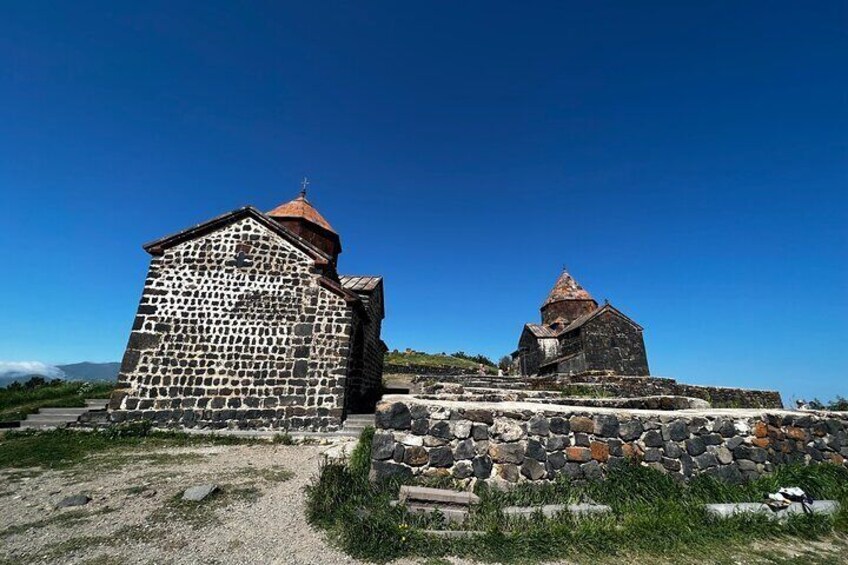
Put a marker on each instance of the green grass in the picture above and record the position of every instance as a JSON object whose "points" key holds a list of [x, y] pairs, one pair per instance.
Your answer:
{"points": [[62, 448], [654, 517], [16, 403], [432, 360]]}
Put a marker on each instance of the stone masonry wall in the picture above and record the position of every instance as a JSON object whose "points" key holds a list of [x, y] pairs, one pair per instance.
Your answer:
{"points": [[234, 330], [629, 386], [517, 442]]}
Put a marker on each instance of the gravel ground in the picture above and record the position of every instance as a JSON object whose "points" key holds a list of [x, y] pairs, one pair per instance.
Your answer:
{"points": [[128, 519], [258, 517]]}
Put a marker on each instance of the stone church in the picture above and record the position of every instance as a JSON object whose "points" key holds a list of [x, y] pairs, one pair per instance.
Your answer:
{"points": [[577, 336], [244, 322]]}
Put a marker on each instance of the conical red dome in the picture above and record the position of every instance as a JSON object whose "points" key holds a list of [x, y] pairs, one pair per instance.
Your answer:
{"points": [[300, 207]]}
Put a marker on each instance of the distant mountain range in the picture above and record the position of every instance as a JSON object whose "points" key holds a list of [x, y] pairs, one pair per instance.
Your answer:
{"points": [[73, 372]]}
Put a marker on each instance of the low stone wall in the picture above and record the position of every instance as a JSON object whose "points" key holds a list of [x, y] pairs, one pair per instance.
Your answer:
{"points": [[628, 386], [515, 441]]}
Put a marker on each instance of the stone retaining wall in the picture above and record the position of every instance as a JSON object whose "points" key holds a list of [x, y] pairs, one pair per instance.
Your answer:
{"points": [[515, 442], [628, 386]]}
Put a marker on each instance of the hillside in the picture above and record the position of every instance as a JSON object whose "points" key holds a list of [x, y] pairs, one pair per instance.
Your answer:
{"points": [[411, 361]]}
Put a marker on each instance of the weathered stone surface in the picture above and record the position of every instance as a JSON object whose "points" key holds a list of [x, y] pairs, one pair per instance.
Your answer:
{"points": [[651, 455], [535, 450], [592, 470], [482, 466], [600, 451], [672, 449], [75, 500], [581, 439], [556, 460], [507, 430], [461, 429], [441, 457], [382, 445], [653, 438], [395, 416], [479, 432], [606, 425], [199, 492], [508, 472], [532, 469], [578, 454], [581, 424], [695, 446], [478, 415], [507, 453], [415, 456], [630, 430], [557, 443], [675, 431], [538, 425], [465, 449], [442, 430], [559, 425], [723, 455], [463, 470]]}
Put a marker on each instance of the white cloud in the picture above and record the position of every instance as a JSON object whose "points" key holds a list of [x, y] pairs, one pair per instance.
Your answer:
{"points": [[22, 368]]}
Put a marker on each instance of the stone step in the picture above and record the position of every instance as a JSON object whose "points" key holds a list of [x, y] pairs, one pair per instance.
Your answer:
{"points": [[453, 533], [451, 513], [733, 509], [63, 411], [412, 494], [551, 510]]}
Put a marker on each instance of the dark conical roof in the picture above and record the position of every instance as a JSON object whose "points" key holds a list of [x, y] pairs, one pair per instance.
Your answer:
{"points": [[566, 288]]}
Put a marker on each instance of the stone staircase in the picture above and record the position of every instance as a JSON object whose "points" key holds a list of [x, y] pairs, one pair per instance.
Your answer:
{"points": [[49, 418], [355, 423]]}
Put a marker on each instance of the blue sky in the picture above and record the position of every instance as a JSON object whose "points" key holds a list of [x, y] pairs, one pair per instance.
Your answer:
{"points": [[686, 161]]}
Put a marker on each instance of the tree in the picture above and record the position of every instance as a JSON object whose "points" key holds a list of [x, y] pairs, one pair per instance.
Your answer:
{"points": [[505, 363]]}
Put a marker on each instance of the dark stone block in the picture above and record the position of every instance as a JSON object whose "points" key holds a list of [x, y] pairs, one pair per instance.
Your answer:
{"points": [[535, 450], [479, 432], [482, 466], [301, 352], [754, 454], [442, 430], [559, 425], [606, 425], [706, 460], [143, 340], [592, 470], [130, 361], [301, 368], [384, 470], [441, 457], [556, 460], [653, 438], [672, 449], [303, 329], [397, 454], [573, 470], [539, 426], [420, 427], [476, 415], [695, 446], [533, 470], [395, 416], [465, 449], [147, 309], [675, 431], [630, 430]]}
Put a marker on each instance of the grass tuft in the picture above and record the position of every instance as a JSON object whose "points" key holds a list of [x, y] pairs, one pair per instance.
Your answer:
{"points": [[653, 517]]}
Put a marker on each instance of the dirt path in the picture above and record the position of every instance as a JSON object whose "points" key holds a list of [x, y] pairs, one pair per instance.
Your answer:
{"points": [[134, 515]]}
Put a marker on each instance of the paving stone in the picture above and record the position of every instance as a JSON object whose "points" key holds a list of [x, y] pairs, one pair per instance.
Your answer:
{"points": [[75, 500], [199, 492]]}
